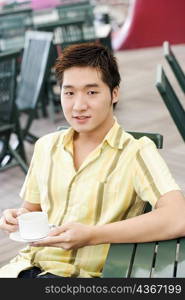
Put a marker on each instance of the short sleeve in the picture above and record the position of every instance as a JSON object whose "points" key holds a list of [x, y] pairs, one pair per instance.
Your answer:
{"points": [[151, 176], [30, 189]]}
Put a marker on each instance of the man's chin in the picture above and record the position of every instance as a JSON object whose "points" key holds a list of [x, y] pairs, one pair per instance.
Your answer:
{"points": [[82, 128]]}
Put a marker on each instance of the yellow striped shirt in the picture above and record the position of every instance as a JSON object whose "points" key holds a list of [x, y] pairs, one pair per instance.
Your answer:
{"points": [[113, 183]]}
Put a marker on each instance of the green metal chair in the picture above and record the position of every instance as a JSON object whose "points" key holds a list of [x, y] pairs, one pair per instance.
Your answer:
{"points": [[34, 71], [154, 259], [77, 11], [16, 5], [13, 25], [81, 13], [174, 64], [171, 100], [9, 121], [68, 31]]}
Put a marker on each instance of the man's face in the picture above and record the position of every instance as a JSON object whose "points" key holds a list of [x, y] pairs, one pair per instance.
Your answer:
{"points": [[86, 100]]}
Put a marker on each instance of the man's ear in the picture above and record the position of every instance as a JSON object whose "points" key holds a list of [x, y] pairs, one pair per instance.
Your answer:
{"points": [[115, 94]]}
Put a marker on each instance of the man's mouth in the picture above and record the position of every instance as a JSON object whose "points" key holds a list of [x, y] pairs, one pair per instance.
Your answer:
{"points": [[81, 117]]}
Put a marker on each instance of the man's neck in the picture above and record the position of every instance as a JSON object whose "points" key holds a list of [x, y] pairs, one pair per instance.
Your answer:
{"points": [[95, 137]]}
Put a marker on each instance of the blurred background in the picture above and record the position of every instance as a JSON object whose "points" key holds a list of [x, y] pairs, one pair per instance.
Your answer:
{"points": [[148, 39]]}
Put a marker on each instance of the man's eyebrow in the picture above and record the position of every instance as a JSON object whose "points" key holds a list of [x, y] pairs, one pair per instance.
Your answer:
{"points": [[68, 86], [92, 85]]}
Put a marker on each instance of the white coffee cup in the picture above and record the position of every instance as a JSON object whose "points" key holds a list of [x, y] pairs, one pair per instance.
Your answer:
{"points": [[33, 225]]}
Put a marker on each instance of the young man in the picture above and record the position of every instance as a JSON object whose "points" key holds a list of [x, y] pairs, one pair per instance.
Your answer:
{"points": [[93, 180]]}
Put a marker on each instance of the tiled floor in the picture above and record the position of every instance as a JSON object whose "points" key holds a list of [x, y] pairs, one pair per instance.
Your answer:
{"points": [[140, 109]]}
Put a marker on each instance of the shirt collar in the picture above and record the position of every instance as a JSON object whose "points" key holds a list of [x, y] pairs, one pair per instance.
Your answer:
{"points": [[115, 137], [68, 136]]}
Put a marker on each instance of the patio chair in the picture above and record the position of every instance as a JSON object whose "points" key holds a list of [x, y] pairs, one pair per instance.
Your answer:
{"points": [[77, 11], [13, 26], [174, 64], [34, 71], [158, 259], [68, 31], [171, 100], [81, 17], [9, 122]]}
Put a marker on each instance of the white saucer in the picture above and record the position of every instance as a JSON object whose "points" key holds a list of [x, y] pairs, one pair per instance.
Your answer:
{"points": [[15, 236]]}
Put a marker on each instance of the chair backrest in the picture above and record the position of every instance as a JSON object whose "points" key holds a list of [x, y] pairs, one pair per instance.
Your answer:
{"points": [[155, 137], [34, 68], [11, 25], [71, 32], [171, 100], [7, 85], [14, 6], [174, 64], [82, 10]]}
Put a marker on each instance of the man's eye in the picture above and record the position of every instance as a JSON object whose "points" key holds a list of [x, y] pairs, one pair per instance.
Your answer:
{"points": [[68, 93], [92, 92]]}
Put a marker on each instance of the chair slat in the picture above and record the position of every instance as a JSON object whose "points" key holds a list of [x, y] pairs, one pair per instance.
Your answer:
{"points": [[118, 260], [165, 259], [181, 259], [171, 100], [34, 71], [142, 265], [174, 64]]}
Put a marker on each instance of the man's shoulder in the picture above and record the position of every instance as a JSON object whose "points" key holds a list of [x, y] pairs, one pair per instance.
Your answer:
{"points": [[50, 139], [137, 143]]}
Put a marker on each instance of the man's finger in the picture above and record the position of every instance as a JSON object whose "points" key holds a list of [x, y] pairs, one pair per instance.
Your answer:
{"points": [[10, 216], [51, 240], [57, 230], [10, 228], [58, 245]]}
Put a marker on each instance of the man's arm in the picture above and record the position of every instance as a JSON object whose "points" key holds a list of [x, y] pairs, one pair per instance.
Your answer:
{"points": [[166, 221], [31, 206]]}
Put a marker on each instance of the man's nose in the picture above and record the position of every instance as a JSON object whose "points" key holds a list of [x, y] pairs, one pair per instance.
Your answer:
{"points": [[80, 103]]}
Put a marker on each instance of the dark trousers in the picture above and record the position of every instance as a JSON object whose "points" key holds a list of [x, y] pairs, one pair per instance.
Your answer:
{"points": [[34, 273]]}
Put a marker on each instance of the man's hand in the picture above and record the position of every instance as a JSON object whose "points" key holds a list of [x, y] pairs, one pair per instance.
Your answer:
{"points": [[8, 221], [68, 236]]}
